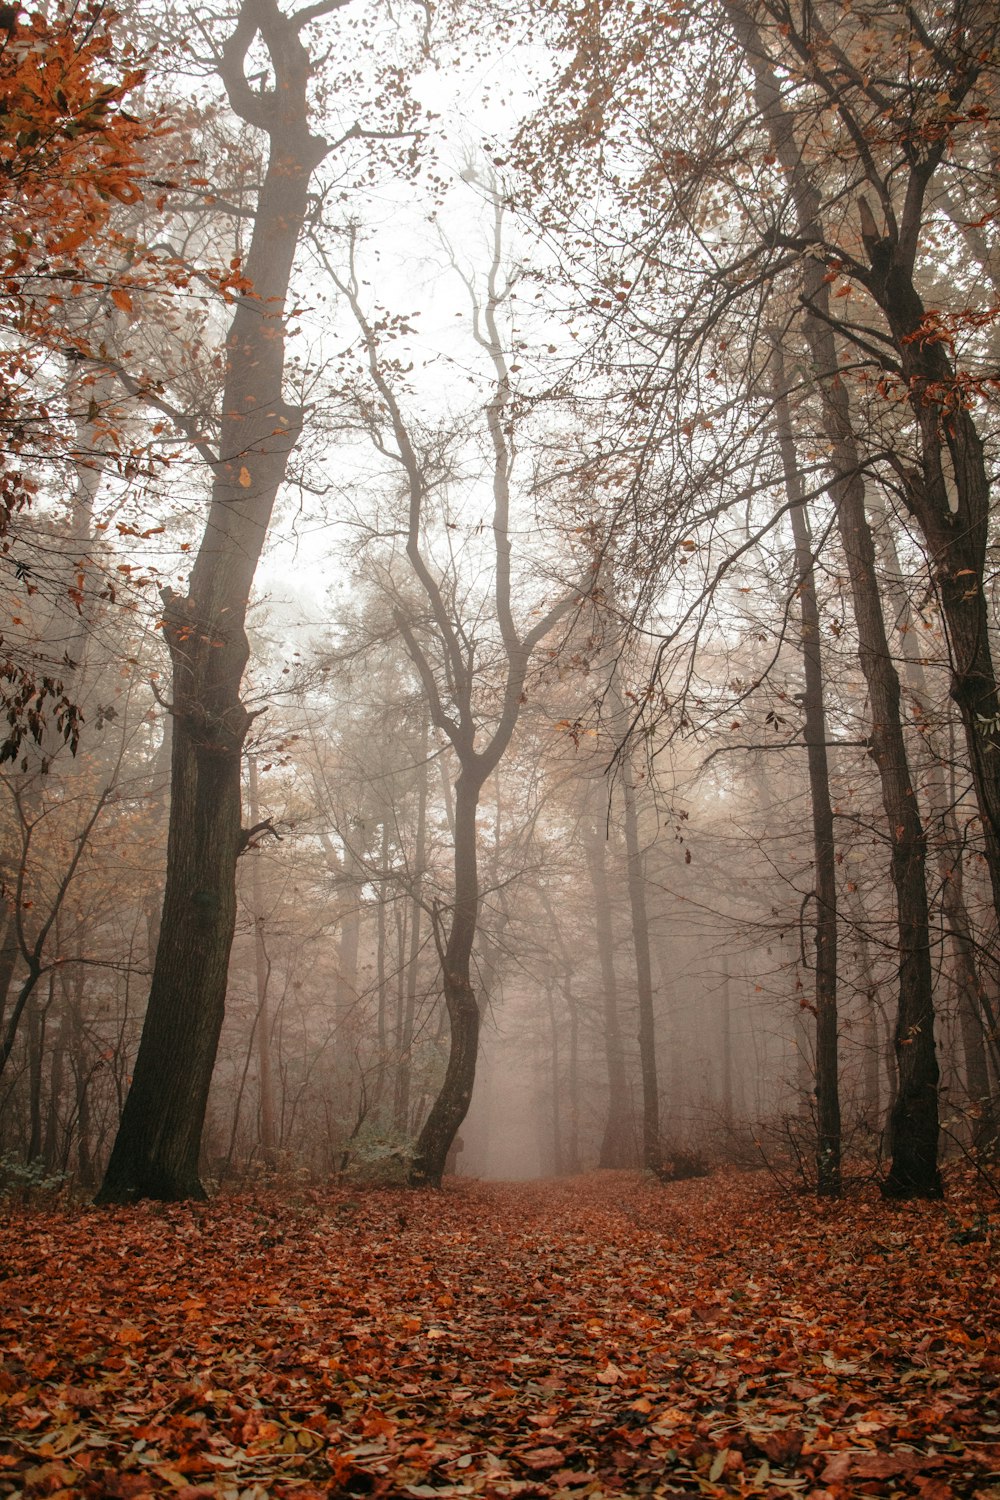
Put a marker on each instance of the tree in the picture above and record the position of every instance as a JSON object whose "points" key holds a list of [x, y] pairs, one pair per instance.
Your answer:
{"points": [[697, 190], [156, 1151], [828, 1139], [447, 655]]}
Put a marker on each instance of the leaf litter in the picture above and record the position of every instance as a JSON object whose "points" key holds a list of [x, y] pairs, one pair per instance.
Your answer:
{"points": [[599, 1336]]}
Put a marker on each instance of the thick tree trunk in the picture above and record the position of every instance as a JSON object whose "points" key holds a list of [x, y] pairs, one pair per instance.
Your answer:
{"points": [[828, 1144], [156, 1152], [972, 1005], [157, 1149]]}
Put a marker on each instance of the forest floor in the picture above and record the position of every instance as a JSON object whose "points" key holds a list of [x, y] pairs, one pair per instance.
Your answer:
{"points": [[600, 1336]]}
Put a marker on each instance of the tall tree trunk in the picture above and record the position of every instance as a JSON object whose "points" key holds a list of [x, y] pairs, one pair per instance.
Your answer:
{"points": [[449, 679], [381, 985], [972, 1000], [8, 957], [555, 1061], [37, 1015], [52, 1146], [727, 1048], [573, 1080], [828, 1144], [262, 972], [651, 1153], [617, 1144], [404, 1070], [914, 1169], [156, 1151]]}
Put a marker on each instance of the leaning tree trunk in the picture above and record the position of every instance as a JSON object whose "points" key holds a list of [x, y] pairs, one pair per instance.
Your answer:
{"points": [[452, 1103], [157, 1148]]}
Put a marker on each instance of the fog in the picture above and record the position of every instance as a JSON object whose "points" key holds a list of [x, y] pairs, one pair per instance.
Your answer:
{"points": [[499, 613]]}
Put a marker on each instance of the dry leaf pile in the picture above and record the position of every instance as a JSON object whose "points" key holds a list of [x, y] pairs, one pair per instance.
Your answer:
{"points": [[602, 1336]]}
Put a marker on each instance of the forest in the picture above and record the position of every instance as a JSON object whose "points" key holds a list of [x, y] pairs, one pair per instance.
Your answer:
{"points": [[500, 748]]}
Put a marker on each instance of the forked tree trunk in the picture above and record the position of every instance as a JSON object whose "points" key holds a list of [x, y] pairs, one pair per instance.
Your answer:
{"points": [[156, 1152]]}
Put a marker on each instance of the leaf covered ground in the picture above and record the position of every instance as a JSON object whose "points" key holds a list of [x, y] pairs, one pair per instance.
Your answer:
{"points": [[601, 1336]]}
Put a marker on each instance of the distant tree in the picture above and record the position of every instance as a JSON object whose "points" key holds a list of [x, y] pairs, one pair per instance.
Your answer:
{"points": [[475, 683]]}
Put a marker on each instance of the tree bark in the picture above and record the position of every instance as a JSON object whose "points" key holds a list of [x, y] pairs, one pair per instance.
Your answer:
{"points": [[914, 1169], [828, 1142], [949, 494], [452, 1103], [651, 1152], [617, 1144], [404, 1066], [262, 973], [555, 1060], [973, 1003], [156, 1151]]}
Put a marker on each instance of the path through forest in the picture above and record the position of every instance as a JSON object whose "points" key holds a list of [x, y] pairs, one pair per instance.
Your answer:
{"points": [[600, 1336]]}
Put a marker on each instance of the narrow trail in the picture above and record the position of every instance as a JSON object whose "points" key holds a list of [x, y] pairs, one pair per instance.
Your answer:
{"points": [[600, 1336]]}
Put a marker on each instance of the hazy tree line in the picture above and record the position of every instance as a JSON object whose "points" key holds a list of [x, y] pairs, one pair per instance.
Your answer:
{"points": [[598, 683]]}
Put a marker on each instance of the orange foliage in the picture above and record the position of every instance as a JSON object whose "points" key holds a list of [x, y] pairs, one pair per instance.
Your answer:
{"points": [[69, 152]]}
